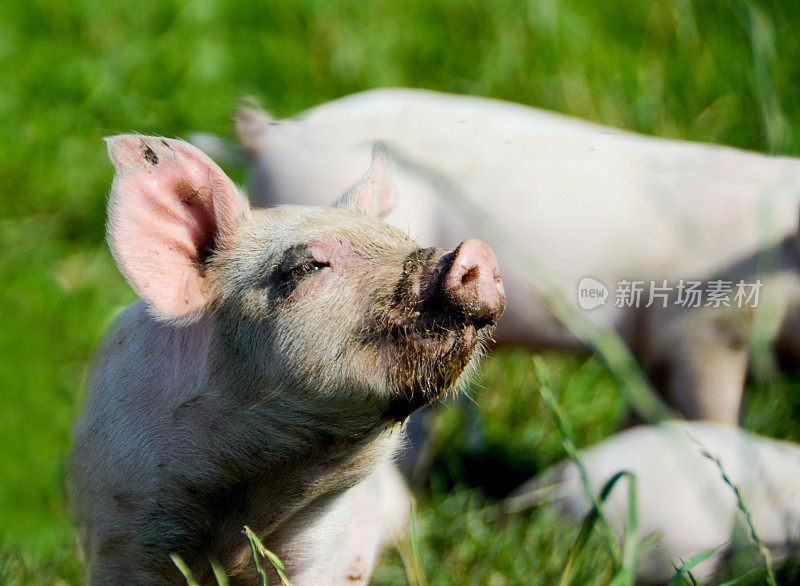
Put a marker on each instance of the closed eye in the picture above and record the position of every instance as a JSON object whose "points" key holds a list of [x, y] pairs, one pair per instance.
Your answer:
{"points": [[307, 268], [295, 264], [289, 280]]}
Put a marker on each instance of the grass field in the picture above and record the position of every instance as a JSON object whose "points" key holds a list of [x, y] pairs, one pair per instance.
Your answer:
{"points": [[726, 72]]}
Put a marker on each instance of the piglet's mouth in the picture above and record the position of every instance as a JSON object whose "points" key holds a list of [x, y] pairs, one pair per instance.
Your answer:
{"points": [[438, 338], [442, 340]]}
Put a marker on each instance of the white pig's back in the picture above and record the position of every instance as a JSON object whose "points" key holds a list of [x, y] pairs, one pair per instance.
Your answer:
{"points": [[583, 198]]}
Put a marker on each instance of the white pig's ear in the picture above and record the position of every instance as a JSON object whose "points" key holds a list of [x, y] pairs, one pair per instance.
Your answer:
{"points": [[374, 193], [170, 206]]}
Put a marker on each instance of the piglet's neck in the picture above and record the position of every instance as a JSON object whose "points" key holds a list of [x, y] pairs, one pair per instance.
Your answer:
{"points": [[293, 415], [259, 428], [251, 425]]}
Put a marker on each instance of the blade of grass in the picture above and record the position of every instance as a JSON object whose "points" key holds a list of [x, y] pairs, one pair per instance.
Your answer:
{"points": [[748, 517], [184, 569], [415, 549], [258, 549], [631, 544], [219, 573], [688, 579], [586, 529], [409, 550], [566, 433], [693, 561], [256, 561], [536, 498], [744, 578], [22, 565]]}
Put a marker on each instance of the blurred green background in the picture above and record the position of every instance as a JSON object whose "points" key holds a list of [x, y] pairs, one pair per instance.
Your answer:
{"points": [[72, 72]]}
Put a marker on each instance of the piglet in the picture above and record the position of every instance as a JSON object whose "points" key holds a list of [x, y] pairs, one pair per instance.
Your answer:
{"points": [[263, 375]]}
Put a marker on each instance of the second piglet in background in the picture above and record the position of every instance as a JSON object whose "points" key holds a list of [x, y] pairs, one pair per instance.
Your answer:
{"points": [[261, 378]]}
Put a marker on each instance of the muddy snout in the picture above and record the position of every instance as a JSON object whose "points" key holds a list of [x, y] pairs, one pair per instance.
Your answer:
{"points": [[466, 283]]}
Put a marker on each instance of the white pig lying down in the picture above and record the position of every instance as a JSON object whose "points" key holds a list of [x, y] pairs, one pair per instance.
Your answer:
{"points": [[680, 492], [584, 200], [261, 378]]}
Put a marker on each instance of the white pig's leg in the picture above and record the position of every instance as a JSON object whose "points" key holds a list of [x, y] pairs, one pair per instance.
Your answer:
{"points": [[707, 379], [698, 359]]}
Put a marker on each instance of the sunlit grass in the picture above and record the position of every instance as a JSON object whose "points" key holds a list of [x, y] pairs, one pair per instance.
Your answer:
{"points": [[723, 72]]}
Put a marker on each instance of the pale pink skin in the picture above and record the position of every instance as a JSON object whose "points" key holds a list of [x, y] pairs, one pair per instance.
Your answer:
{"points": [[680, 493], [235, 394], [582, 199]]}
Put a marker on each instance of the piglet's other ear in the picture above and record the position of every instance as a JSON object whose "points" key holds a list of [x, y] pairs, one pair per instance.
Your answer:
{"points": [[373, 194], [170, 206]]}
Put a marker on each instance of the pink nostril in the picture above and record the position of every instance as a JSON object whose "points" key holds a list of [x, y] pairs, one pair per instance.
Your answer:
{"points": [[473, 282], [471, 275]]}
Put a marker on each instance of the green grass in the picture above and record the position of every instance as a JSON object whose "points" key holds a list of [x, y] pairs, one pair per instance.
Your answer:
{"points": [[725, 72]]}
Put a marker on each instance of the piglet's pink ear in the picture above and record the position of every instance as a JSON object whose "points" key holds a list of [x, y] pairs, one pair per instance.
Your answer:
{"points": [[170, 206], [373, 194]]}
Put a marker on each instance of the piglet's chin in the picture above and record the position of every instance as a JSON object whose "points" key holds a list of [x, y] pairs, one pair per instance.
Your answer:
{"points": [[430, 368]]}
